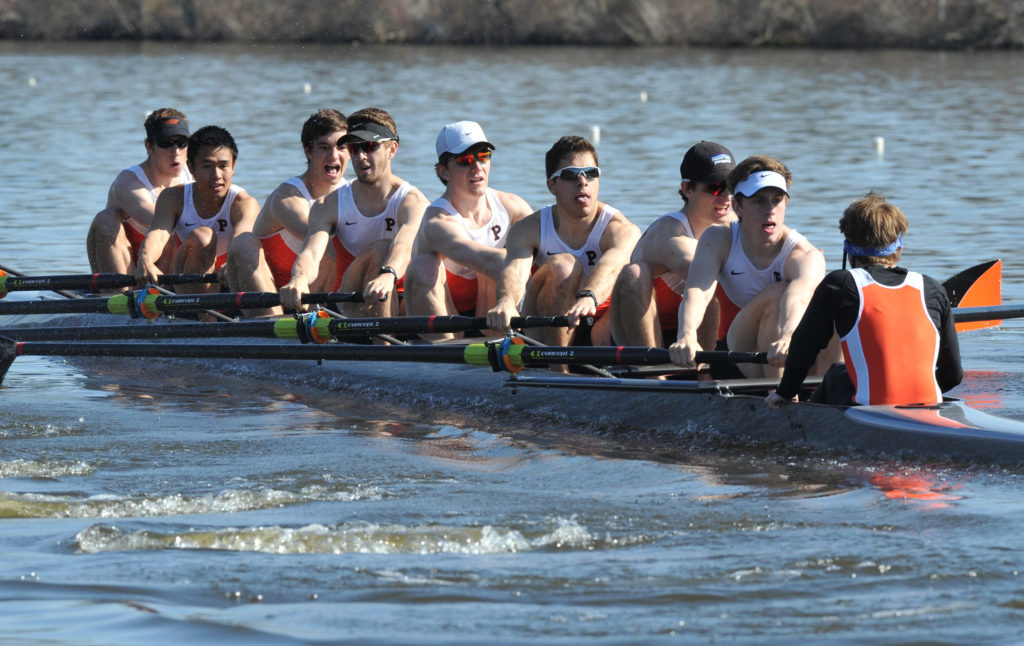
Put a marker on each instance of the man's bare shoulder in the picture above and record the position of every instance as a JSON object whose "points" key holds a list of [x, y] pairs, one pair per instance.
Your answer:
{"points": [[517, 207], [717, 235]]}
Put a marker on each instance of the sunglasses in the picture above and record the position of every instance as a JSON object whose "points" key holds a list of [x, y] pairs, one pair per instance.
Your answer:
{"points": [[483, 157], [367, 147], [714, 189], [572, 173], [167, 143]]}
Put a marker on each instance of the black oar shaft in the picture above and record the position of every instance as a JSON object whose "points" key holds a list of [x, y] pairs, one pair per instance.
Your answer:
{"points": [[334, 351], [435, 324], [264, 328], [96, 281], [124, 303], [989, 313]]}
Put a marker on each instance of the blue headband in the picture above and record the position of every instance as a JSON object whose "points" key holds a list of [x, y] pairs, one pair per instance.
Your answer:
{"points": [[872, 252]]}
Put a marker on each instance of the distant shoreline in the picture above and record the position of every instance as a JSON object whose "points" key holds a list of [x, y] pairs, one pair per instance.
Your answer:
{"points": [[831, 24]]}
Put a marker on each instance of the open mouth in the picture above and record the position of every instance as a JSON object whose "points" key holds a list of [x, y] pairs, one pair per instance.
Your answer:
{"points": [[332, 170]]}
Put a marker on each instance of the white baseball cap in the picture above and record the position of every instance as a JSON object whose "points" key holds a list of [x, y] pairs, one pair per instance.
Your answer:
{"points": [[761, 179], [456, 138]]}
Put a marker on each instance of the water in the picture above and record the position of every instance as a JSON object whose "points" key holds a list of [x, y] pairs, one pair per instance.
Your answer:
{"points": [[147, 502]]}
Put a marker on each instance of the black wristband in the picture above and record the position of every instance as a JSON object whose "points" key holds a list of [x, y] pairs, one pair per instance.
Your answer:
{"points": [[387, 269], [586, 292]]}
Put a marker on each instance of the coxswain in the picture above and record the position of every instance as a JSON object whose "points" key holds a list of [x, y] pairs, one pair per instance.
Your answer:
{"points": [[896, 326]]}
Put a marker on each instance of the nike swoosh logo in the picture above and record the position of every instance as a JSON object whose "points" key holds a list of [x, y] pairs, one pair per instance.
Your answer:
{"points": [[735, 273], [191, 224], [554, 253], [350, 223]]}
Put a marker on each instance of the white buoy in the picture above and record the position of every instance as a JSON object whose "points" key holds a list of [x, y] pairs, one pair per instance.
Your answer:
{"points": [[595, 135], [307, 88], [643, 97], [32, 81], [880, 146]]}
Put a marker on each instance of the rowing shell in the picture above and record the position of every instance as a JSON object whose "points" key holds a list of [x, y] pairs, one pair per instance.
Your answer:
{"points": [[725, 408]]}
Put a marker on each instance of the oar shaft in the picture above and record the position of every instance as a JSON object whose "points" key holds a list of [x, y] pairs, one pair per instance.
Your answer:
{"points": [[334, 351], [94, 281], [157, 303], [474, 353], [434, 324], [989, 313]]}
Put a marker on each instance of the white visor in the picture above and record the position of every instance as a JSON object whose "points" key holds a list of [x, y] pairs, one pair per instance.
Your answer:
{"points": [[761, 179]]}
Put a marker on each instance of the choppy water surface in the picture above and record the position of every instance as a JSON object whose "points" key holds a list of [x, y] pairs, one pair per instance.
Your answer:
{"points": [[156, 503]]}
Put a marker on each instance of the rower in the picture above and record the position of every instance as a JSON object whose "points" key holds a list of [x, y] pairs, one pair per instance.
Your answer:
{"points": [[896, 326], [767, 272], [200, 218], [645, 301], [371, 222], [261, 260], [116, 232], [460, 248], [576, 248]]}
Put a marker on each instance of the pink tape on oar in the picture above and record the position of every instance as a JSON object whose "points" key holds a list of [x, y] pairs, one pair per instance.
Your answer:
{"points": [[95, 285]]}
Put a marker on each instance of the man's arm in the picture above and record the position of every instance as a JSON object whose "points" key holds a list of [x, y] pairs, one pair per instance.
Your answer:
{"points": [[165, 217], [128, 197], [949, 371], [442, 234], [702, 278], [322, 221], [244, 211], [666, 247], [410, 215], [804, 269], [523, 240], [617, 242]]}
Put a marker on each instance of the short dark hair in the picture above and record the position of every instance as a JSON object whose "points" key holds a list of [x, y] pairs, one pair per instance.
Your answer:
{"points": [[564, 147], [320, 123], [213, 137]]}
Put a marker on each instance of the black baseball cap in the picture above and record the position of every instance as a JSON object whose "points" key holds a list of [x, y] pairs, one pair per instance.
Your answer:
{"points": [[707, 162]]}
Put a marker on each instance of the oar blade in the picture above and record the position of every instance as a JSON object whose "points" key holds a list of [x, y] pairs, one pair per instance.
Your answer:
{"points": [[977, 286]]}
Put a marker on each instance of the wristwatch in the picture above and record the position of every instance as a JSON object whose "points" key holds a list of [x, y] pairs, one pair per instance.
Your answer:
{"points": [[586, 292]]}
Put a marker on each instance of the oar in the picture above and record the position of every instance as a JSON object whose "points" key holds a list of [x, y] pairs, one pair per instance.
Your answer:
{"points": [[4, 270], [994, 313], [94, 282], [499, 355], [150, 304], [282, 328]]}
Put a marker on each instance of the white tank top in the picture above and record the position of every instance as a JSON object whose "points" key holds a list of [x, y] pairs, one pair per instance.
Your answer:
{"points": [[220, 222], [356, 231], [741, 280], [491, 234], [184, 177], [588, 254], [676, 282]]}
